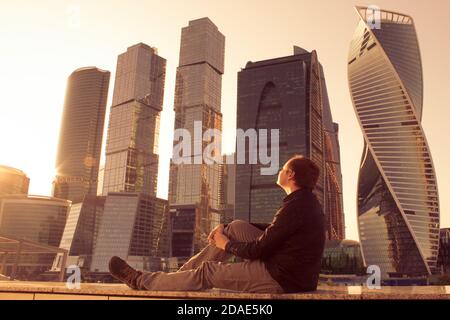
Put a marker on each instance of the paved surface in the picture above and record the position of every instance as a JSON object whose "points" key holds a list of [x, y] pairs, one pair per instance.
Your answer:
{"points": [[59, 291]]}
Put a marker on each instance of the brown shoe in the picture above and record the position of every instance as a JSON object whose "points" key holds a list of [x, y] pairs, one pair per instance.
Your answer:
{"points": [[120, 270]]}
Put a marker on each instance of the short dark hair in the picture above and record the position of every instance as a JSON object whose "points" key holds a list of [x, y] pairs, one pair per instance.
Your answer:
{"points": [[306, 172]]}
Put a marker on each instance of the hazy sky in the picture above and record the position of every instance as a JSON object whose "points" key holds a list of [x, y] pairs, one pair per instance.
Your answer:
{"points": [[42, 42]]}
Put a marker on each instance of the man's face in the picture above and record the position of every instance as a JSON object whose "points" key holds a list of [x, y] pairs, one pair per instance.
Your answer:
{"points": [[283, 175]]}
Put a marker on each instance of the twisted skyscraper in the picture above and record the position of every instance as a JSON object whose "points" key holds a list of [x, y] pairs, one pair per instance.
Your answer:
{"points": [[398, 204]]}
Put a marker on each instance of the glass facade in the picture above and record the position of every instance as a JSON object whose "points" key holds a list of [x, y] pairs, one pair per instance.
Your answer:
{"points": [[198, 98], [81, 230], [37, 219], [183, 220], [228, 189], [133, 133], [288, 94], [342, 257], [334, 203], [333, 186], [115, 230], [130, 227], [13, 181], [444, 251], [80, 141], [34, 218], [398, 204], [132, 149]]}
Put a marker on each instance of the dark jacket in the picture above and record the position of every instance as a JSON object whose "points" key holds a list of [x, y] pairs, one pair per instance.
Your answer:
{"points": [[292, 245]]}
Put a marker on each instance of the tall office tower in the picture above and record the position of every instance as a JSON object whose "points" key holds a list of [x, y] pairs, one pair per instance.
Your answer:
{"points": [[80, 140], [398, 204], [133, 133], [130, 228], [194, 194], [334, 201], [13, 181], [287, 94]]}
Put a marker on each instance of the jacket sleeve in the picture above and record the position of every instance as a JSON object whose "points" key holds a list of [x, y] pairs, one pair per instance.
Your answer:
{"points": [[261, 226], [284, 224]]}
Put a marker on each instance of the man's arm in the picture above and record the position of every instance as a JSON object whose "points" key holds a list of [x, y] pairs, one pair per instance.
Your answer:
{"points": [[284, 224], [261, 226]]}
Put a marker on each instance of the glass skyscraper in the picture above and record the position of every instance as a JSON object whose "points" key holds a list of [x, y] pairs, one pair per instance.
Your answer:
{"points": [[398, 203], [133, 133], [80, 141], [128, 220], [288, 94], [194, 191]]}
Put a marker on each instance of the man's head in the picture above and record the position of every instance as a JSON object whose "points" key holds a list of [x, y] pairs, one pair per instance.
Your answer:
{"points": [[298, 172]]}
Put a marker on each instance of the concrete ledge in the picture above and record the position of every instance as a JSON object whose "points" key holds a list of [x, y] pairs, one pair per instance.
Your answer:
{"points": [[15, 290]]}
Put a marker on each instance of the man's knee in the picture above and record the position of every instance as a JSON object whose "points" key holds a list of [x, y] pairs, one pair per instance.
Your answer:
{"points": [[234, 226]]}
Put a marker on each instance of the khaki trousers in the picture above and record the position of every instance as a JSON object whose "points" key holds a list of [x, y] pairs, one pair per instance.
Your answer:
{"points": [[208, 269]]}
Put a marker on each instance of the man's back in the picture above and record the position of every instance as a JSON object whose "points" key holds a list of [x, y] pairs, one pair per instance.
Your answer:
{"points": [[295, 264], [292, 245]]}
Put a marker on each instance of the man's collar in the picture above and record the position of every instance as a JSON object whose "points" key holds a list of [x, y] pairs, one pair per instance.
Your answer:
{"points": [[294, 194]]}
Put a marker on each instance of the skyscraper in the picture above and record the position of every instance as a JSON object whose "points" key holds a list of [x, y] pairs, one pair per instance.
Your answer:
{"points": [[133, 133], [132, 217], [80, 140], [398, 204], [194, 193], [288, 94]]}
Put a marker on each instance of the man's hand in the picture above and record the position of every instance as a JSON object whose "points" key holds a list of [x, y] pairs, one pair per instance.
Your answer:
{"points": [[219, 238], [211, 234]]}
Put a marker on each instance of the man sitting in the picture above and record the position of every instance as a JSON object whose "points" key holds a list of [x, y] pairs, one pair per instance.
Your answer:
{"points": [[281, 257]]}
